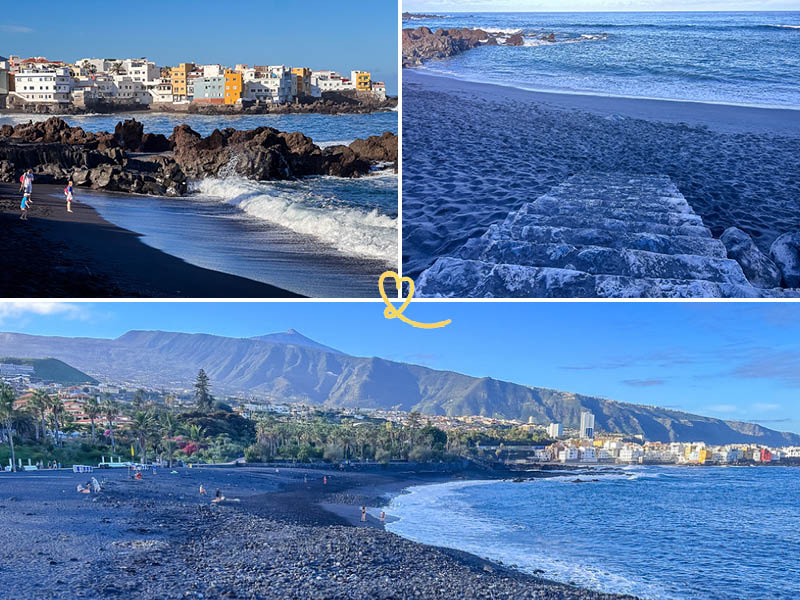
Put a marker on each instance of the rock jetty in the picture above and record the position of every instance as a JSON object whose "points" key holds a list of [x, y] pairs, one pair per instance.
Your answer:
{"points": [[130, 160]]}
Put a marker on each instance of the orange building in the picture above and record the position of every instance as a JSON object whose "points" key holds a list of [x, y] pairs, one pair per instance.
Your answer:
{"points": [[303, 75], [233, 86], [179, 78]]}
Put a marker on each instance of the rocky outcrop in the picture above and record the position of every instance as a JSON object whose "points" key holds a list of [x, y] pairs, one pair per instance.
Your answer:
{"points": [[785, 251], [377, 149], [131, 136], [758, 268], [263, 153], [133, 161], [422, 44]]}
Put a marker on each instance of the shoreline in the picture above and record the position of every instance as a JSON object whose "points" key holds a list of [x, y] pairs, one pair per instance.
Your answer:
{"points": [[270, 538], [82, 255], [724, 116]]}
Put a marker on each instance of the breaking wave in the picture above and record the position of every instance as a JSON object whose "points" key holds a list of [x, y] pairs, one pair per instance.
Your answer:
{"points": [[298, 206]]}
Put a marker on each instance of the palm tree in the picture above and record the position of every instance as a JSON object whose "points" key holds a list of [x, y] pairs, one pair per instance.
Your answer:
{"points": [[138, 398], [110, 412], [116, 68], [195, 433], [143, 425], [169, 427], [7, 414], [93, 410], [56, 412], [39, 405]]}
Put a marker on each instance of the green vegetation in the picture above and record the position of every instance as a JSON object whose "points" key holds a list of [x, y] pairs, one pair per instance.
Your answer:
{"points": [[382, 441], [52, 370]]}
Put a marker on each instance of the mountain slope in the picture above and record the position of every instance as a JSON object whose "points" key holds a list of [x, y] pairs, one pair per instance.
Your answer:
{"points": [[51, 370], [295, 338], [303, 372]]}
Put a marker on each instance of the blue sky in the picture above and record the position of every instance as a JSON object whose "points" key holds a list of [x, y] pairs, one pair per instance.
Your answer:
{"points": [[728, 360], [341, 35], [595, 5]]}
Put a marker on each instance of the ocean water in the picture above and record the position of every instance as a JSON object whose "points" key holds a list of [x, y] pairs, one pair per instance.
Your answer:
{"points": [[710, 533], [750, 58], [326, 129], [319, 236]]}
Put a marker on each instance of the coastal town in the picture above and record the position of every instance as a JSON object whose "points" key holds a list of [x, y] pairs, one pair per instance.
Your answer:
{"points": [[141, 83], [489, 441]]}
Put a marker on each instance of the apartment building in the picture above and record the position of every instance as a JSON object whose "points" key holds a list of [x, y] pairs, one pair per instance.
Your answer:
{"points": [[209, 90], [179, 77], [361, 80], [233, 87], [273, 84], [140, 70], [46, 85], [303, 76]]}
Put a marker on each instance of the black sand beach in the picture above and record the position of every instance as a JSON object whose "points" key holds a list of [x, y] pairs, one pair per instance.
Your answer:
{"points": [[158, 538], [473, 152], [58, 254]]}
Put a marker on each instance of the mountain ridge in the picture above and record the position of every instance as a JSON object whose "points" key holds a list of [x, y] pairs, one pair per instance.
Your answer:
{"points": [[291, 372]]}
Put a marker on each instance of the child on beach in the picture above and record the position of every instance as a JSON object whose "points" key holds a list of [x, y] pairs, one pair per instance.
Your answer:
{"points": [[68, 194], [24, 206]]}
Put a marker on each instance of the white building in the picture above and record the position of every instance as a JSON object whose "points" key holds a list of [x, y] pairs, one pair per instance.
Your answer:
{"points": [[630, 454], [52, 85], [212, 70], [140, 70], [96, 65], [587, 454], [160, 90], [331, 81], [568, 454], [587, 425], [134, 91], [273, 84], [555, 430], [379, 89]]}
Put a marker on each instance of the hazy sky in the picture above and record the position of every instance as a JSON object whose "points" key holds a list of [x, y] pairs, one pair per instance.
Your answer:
{"points": [[595, 5], [729, 360], [321, 34]]}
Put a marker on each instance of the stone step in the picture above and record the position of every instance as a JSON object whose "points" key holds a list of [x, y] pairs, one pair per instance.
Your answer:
{"points": [[675, 219], [451, 277], [520, 220], [650, 242], [598, 260], [663, 204]]}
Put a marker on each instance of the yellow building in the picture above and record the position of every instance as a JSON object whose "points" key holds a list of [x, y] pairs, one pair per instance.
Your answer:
{"points": [[178, 77], [703, 455], [303, 75], [233, 86], [362, 80]]}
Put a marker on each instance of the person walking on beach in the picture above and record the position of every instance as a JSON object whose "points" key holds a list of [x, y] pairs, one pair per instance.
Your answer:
{"points": [[363, 514], [23, 206], [26, 182], [383, 517], [68, 194]]}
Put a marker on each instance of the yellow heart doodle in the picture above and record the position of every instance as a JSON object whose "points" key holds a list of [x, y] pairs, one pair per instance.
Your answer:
{"points": [[390, 312]]}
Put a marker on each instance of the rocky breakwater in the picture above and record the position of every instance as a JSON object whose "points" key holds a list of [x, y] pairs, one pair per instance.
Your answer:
{"points": [[130, 160], [422, 44]]}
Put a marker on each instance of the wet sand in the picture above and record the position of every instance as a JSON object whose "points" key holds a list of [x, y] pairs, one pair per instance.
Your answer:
{"points": [[270, 538], [56, 254], [473, 152]]}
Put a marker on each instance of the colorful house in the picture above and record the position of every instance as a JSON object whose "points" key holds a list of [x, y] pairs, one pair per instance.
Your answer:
{"points": [[361, 80], [233, 86], [178, 77], [303, 75]]}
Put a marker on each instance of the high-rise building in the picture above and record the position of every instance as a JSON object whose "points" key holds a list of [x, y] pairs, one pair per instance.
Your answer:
{"points": [[587, 425], [555, 430]]}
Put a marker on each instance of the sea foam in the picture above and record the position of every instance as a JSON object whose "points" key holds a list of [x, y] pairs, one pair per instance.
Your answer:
{"points": [[294, 205]]}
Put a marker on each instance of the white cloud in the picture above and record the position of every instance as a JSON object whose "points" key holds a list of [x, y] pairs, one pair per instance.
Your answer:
{"points": [[15, 29], [19, 310], [766, 406]]}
